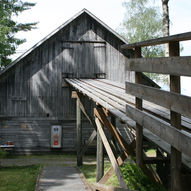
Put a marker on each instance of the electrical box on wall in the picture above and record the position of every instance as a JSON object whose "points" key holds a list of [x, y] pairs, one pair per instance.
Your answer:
{"points": [[56, 136]]}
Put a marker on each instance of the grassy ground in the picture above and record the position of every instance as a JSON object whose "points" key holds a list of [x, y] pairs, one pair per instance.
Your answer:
{"points": [[68, 157], [18, 178], [24, 178], [134, 177], [89, 171]]}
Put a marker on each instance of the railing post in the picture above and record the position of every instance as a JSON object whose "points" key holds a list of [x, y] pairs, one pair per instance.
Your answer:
{"points": [[174, 50], [139, 129], [79, 132]]}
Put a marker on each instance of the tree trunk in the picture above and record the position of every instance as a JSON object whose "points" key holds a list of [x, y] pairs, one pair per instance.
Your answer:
{"points": [[165, 23]]}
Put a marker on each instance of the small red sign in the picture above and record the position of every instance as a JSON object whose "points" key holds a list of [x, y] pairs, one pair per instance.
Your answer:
{"points": [[56, 142]]}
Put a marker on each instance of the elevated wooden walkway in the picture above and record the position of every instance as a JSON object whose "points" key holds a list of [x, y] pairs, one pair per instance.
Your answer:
{"points": [[113, 97], [162, 117]]}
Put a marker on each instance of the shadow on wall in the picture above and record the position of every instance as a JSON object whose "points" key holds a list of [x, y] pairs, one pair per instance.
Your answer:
{"points": [[47, 97]]}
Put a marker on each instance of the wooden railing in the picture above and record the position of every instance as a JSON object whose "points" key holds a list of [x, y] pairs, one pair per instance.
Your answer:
{"points": [[178, 104]]}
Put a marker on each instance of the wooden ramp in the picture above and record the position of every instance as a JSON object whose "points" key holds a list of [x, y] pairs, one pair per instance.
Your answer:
{"points": [[113, 97]]}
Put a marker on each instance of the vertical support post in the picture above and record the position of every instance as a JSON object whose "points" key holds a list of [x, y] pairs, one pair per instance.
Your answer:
{"points": [[79, 132], [100, 158], [174, 50], [139, 128], [162, 168], [113, 122]]}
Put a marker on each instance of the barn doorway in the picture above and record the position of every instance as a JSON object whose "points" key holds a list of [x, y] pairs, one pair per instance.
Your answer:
{"points": [[83, 59]]}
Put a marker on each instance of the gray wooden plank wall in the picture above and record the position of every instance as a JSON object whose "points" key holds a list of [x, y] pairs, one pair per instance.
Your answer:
{"points": [[33, 87], [35, 135]]}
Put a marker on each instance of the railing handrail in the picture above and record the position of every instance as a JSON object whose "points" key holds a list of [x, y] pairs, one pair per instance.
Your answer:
{"points": [[157, 41]]}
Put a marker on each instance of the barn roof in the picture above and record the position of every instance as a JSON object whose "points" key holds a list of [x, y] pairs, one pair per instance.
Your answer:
{"points": [[58, 29]]}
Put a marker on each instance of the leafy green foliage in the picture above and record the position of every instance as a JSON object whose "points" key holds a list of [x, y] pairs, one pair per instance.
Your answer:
{"points": [[133, 175], [142, 22], [136, 179], [9, 27]]}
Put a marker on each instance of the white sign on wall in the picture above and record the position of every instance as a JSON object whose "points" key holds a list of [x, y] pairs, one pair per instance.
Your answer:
{"points": [[56, 136]]}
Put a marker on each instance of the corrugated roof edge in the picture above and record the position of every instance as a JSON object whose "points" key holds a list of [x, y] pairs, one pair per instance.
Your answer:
{"points": [[59, 28]]}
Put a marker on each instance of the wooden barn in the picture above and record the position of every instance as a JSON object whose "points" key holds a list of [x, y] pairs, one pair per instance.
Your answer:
{"points": [[32, 92]]}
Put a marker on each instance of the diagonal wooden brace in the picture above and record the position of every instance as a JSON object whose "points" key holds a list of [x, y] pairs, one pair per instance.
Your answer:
{"points": [[91, 138], [90, 119], [128, 148], [110, 154], [111, 171]]}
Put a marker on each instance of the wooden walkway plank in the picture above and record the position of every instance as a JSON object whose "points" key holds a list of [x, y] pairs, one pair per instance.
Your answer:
{"points": [[103, 99], [122, 116], [158, 110]]}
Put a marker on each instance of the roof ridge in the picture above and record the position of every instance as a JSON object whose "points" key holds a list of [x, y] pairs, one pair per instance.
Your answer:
{"points": [[84, 10]]}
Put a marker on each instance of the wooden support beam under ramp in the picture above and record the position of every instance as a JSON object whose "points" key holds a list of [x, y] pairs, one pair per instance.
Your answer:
{"points": [[110, 154]]}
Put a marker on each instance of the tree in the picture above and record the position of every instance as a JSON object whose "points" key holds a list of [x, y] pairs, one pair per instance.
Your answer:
{"points": [[9, 27], [166, 22], [142, 22]]}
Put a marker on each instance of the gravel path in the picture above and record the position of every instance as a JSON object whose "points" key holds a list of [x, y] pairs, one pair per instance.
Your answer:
{"points": [[57, 178]]}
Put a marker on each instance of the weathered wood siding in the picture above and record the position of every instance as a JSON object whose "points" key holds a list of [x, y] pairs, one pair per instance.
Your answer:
{"points": [[34, 134], [33, 87]]}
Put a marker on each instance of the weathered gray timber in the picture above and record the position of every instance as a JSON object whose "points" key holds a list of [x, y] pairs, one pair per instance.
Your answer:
{"points": [[100, 158], [31, 94], [162, 40], [170, 100], [79, 133], [139, 105], [171, 132], [175, 117], [113, 98], [180, 66], [32, 91], [111, 155]]}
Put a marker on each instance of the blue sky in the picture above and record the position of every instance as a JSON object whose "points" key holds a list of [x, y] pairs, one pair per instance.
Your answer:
{"points": [[52, 13]]}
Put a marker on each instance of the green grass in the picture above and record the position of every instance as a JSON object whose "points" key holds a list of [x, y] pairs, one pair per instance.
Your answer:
{"points": [[89, 171], [134, 177], [18, 178], [67, 157], [44, 156]]}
